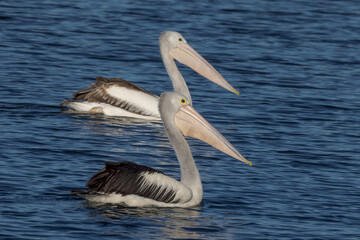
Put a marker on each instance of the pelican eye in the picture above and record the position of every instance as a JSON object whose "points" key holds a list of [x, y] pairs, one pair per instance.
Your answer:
{"points": [[180, 39], [183, 101]]}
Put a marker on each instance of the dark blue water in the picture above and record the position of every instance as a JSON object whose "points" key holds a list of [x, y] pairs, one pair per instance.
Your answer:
{"points": [[296, 64]]}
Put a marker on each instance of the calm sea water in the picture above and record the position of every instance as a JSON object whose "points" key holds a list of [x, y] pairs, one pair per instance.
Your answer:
{"points": [[296, 64]]}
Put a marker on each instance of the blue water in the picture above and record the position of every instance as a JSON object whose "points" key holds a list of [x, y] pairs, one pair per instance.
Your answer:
{"points": [[296, 64]]}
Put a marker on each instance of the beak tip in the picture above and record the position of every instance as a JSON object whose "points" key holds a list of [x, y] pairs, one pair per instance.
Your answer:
{"points": [[235, 91], [246, 161]]}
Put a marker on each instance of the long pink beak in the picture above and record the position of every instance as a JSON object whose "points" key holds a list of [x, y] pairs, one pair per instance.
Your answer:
{"points": [[192, 124], [185, 54]]}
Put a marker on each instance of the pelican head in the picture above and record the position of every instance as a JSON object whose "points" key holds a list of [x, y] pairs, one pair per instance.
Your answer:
{"points": [[174, 45], [177, 112]]}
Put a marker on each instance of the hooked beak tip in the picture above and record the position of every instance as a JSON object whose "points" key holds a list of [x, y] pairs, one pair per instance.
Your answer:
{"points": [[246, 161]]}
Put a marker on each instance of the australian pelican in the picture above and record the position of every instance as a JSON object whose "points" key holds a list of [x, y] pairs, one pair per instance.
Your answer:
{"points": [[136, 185], [118, 97]]}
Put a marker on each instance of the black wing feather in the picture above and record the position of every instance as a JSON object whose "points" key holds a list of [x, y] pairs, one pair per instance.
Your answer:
{"points": [[83, 94], [126, 178]]}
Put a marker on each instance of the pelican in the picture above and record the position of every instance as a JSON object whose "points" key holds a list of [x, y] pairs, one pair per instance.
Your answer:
{"points": [[138, 186], [118, 97]]}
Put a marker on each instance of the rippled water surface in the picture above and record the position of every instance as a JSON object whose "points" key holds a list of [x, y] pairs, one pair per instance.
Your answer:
{"points": [[296, 64]]}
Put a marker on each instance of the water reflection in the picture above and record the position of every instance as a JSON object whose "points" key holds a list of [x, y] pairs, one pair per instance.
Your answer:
{"points": [[139, 139], [172, 223], [104, 125]]}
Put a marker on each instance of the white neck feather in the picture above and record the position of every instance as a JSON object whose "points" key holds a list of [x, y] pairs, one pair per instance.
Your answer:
{"points": [[189, 172], [177, 79]]}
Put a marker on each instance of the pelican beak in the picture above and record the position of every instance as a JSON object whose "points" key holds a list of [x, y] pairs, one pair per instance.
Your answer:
{"points": [[192, 124], [186, 55]]}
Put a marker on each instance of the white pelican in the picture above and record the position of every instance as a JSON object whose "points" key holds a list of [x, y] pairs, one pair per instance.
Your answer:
{"points": [[118, 97], [136, 185]]}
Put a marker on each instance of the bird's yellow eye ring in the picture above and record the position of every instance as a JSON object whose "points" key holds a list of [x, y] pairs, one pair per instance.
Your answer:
{"points": [[183, 101]]}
